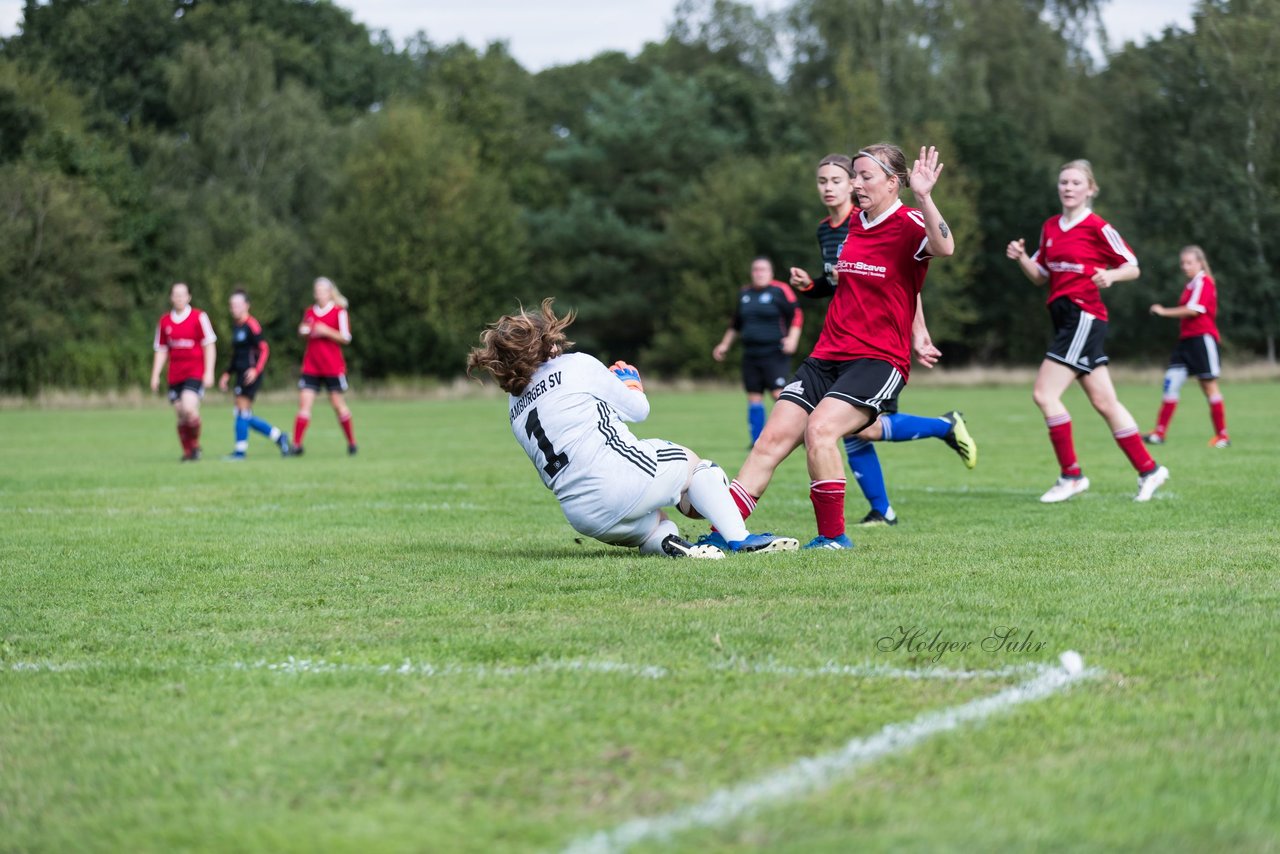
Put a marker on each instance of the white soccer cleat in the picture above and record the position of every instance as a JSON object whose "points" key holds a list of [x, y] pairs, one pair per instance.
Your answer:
{"points": [[1066, 487], [1150, 482], [674, 546]]}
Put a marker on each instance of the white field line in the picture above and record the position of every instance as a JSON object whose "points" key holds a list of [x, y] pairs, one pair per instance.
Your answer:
{"points": [[812, 774]]}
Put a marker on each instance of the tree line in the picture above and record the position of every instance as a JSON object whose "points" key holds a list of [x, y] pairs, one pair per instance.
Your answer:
{"points": [[264, 142]]}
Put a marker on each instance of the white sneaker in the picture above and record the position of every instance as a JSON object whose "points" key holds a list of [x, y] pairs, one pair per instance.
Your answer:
{"points": [[1066, 487], [1150, 482]]}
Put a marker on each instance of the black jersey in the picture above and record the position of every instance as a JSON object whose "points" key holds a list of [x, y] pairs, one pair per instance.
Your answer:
{"points": [[763, 316], [248, 347], [831, 239]]}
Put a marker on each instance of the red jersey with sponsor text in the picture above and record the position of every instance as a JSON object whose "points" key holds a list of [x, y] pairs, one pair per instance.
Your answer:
{"points": [[183, 337], [879, 274], [323, 356], [1070, 254], [1200, 295]]}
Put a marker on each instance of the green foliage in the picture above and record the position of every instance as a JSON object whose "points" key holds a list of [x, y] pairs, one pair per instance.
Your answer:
{"points": [[221, 143]]}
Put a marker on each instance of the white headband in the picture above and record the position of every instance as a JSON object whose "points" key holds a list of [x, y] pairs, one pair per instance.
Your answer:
{"points": [[878, 162]]}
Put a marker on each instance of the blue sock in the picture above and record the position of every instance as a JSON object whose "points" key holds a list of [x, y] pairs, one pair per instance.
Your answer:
{"points": [[242, 431], [755, 420], [866, 470], [901, 427], [262, 427]]}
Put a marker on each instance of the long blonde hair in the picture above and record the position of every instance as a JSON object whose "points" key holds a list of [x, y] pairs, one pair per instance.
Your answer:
{"points": [[1195, 250], [1087, 168], [515, 345], [337, 294]]}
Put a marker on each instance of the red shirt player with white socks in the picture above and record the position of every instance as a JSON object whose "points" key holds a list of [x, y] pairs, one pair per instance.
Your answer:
{"points": [[327, 329], [185, 338]]}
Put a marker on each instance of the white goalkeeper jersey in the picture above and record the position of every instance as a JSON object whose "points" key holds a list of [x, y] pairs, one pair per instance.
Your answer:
{"points": [[570, 421]]}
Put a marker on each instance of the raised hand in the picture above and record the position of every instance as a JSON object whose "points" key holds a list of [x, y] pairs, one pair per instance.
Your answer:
{"points": [[924, 172]]}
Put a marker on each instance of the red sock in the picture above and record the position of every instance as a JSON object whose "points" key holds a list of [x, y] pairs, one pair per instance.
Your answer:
{"points": [[194, 430], [745, 500], [300, 425], [345, 421], [1166, 415], [828, 506], [1063, 446], [184, 437], [1131, 443], [1218, 413]]}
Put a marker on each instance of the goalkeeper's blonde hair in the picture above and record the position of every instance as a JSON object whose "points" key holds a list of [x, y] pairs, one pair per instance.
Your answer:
{"points": [[514, 346]]}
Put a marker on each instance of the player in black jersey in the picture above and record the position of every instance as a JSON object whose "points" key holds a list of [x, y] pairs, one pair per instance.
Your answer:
{"points": [[836, 191], [768, 321], [249, 353]]}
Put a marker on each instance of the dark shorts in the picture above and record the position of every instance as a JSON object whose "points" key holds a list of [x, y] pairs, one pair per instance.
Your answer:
{"points": [[768, 372], [176, 389], [243, 389], [317, 383], [868, 383], [1199, 355], [1078, 337]]}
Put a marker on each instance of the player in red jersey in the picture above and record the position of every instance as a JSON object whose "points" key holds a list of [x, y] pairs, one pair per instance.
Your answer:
{"points": [[184, 337], [1079, 255], [327, 330], [1197, 350], [862, 357]]}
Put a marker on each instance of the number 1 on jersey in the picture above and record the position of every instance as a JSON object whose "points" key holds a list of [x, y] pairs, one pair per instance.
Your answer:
{"points": [[556, 462]]}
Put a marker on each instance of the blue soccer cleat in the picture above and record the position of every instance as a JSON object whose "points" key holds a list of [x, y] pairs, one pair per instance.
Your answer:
{"points": [[716, 539], [283, 443], [761, 543], [821, 542]]}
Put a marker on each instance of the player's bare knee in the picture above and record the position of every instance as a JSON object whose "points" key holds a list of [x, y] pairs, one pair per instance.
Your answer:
{"points": [[821, 431]]}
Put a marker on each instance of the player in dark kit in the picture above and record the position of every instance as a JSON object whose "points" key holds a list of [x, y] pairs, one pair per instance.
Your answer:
{"points": [[835, 173], [249, 354], [767, 320]]}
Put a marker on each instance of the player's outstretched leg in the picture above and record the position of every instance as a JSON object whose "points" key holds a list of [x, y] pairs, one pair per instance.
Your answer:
{"points": [[865, 465], [707, 494], [950, 428]]}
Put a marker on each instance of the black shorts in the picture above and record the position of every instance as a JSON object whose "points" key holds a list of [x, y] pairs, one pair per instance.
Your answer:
{"points": [[869, 383], [1078, 337], [318, 383], [243, 389], [1199, 356], [176, 389], [768, 372]]}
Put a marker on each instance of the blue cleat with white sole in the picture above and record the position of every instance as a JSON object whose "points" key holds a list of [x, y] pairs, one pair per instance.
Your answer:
{"points": [[715, 539], [821, 542], [761, 543]]}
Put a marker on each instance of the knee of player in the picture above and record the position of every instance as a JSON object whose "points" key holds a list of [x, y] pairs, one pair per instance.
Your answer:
{"points": [[1043, 397], [821, 431]]}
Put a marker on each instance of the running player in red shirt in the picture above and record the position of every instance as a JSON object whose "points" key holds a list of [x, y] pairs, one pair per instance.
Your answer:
{"points": [[249, 355], [184, 336], [1080, 254], [327, 330], [1197, 350], [862, 357]]}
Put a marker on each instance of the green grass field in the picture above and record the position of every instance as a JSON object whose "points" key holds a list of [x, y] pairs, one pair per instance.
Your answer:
{"points": [[410, 651]]}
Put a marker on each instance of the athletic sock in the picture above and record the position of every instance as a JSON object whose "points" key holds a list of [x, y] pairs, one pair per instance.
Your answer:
{"points": [[184, 438], [300, 425], [828, 506], [1131, 443], [900, 427], [865, 464], [653, 544], [242, 431], [1063, 445], [1218, 412], [194, 427], [709, 494], [1167, 408], [345, 421], [263, 427], [746, 501], [755, 420]]}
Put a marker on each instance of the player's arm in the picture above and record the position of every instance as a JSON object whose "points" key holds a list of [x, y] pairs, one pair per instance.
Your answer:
{"points": [[621, 388], [341, 335], [210, 348], [1126, 263], [157, 362], [789, 313], [924, 176], [264, 352], [1029, 264], [921, 342], [1126, 272], [726, 341], [1178, 311]]}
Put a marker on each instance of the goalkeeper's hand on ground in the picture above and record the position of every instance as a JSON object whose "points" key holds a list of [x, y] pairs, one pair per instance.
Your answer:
{"points": [[628, 374]]}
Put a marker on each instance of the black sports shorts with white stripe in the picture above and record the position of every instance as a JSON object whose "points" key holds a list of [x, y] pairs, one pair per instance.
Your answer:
{"points": [[1078, 337], [869, 383]]}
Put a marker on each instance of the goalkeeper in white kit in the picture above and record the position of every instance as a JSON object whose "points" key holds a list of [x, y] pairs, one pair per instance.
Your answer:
{"points": [[568, 411]]}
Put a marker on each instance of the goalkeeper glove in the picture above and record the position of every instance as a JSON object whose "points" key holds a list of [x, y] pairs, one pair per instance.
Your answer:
{"points": [[628, 374]]}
